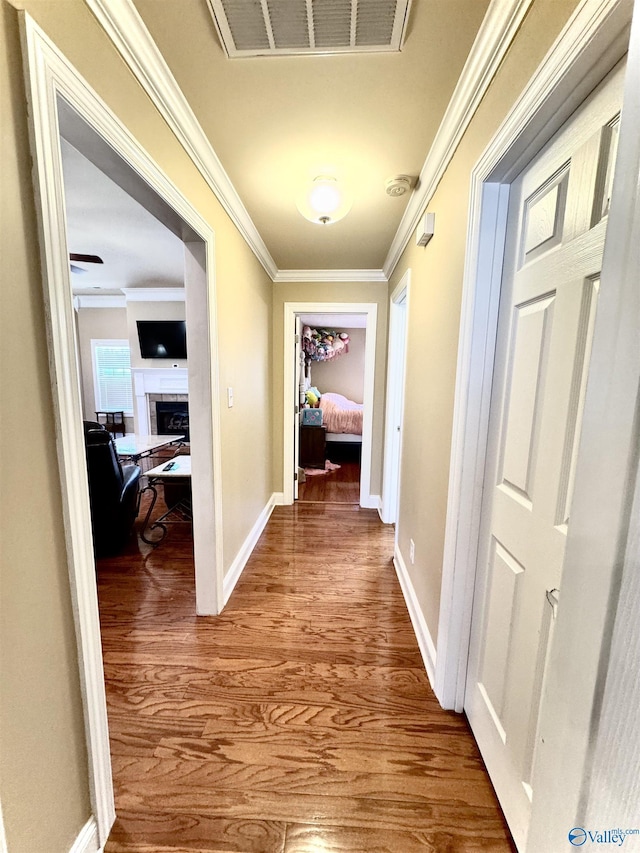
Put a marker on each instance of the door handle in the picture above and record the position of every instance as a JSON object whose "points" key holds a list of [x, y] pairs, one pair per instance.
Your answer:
{"points": [[553, 597]]}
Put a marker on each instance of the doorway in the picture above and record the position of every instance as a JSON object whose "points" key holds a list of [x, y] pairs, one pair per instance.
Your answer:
{"points": [[341, 315], [55, 88], [396, 372], [331, 390], [556, 227]]}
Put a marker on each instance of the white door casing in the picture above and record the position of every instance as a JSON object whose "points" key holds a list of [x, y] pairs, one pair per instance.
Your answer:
{"points": [[291, 311], [555, 239], [299, 382], [396, 373]]}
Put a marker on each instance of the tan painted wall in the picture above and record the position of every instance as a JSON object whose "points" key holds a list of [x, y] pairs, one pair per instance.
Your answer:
{"points": [[43, 778], [97, 324], [348, 292], [345, 373], [152, 311], [43, 762], [434, 317]]}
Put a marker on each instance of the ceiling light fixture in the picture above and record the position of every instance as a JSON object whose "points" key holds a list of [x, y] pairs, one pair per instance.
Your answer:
{"points": [[324, 201]]}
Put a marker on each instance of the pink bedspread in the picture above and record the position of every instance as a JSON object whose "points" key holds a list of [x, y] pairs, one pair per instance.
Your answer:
{"points": [[340, 414]]}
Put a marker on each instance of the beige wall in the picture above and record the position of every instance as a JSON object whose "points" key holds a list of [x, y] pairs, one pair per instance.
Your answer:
{"points": [[152, 311], [434, 317], [43, 763], [97, 324], [322, 293], [43, 775], [345, 373]]}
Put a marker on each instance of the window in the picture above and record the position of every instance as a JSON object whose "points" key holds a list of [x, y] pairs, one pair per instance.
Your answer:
{"points": [[112, 375]]}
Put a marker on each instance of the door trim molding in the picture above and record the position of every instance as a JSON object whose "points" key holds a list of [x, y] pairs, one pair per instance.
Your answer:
{"points": [[396, 374], [290, 311], [48, 74], [594, 39]]}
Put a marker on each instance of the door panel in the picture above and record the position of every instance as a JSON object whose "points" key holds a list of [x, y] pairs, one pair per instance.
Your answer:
{"points": [[555, 238]]}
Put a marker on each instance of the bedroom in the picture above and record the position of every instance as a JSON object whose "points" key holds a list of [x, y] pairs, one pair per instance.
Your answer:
{"points": [[331, 384]]}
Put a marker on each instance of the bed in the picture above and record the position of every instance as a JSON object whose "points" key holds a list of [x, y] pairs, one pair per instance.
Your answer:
{"points": [[342, 417]]}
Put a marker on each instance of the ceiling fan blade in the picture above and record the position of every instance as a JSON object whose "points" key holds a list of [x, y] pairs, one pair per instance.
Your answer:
{"points": [[77, 270], [85, 259]]}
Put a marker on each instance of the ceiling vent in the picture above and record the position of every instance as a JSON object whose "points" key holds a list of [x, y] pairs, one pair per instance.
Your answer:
{"points": [[281, 27]]}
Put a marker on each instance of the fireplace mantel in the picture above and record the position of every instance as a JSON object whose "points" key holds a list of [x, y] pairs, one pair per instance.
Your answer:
{"points": [[155, 380]]}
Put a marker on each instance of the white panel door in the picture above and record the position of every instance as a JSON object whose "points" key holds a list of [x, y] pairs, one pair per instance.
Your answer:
{"points": [[298, 378], [555, 238]]}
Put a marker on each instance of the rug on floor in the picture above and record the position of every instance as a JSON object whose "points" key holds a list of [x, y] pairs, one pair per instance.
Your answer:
{"points": [[328, 468]]}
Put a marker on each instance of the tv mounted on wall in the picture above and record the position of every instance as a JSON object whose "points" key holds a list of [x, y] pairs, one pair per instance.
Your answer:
{"points": [[162, 338]]}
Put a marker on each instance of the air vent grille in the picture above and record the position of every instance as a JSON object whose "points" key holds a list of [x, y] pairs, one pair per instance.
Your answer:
{"points": [[277, 27]]}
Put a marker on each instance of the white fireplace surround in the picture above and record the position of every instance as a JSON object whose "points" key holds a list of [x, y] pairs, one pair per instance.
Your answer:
{"points": [[155, 380]]}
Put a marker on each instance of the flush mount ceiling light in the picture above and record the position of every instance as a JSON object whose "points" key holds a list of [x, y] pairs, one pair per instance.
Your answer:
{"points": [[324, 201]]}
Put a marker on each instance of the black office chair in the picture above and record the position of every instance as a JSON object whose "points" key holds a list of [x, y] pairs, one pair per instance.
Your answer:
{"points": [[113, 491]]}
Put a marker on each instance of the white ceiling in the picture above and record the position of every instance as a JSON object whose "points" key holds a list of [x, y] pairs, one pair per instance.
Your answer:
{"points": [[276, 123], [335, 321], [104, 220]]}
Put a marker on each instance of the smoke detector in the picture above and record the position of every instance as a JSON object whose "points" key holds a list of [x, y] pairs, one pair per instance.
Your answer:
{"points": [[398, 186]]}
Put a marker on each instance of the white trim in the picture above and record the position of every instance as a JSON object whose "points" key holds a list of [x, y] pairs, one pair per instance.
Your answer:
{"points": [[96, 301], [278, 499], [370, 502], [48, 74], [396, 371], [593, 40], [500, 24], [425, 642], [87, 839], [127, 31], [323, 276], [236, 568], [291, 309], [154, 294]]}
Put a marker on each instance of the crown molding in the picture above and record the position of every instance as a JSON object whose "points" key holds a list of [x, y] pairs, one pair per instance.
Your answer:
{"points": [[154, 294], [127, 31], [330, 276], [494, 37], [95, 300]]}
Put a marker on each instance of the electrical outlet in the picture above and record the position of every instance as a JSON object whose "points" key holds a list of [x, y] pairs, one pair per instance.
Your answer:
{"points": [[229, 397], [412, 551]]}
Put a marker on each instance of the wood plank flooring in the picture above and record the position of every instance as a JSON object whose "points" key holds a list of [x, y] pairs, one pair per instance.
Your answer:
{"points": [[340, 486], [300, 720]]}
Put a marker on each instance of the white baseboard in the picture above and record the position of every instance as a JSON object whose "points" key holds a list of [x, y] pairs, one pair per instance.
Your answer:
{"points": [[233, 575], [426, 644], [278, 498], [87, 840]]}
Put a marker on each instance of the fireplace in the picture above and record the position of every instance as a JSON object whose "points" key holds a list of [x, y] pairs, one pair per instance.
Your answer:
{"points": [[172, 418]]}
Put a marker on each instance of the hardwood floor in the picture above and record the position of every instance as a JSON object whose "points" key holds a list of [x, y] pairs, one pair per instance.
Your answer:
{"points": [[340, 486], [300, 720]]}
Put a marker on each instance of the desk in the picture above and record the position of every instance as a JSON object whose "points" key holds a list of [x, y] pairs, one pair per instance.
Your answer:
{"points": [[140, 446], [177, 470], [113, 420]]}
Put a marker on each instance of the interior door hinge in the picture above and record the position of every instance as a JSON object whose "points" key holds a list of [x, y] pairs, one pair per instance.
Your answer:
{"points": [[297, 339], [295, 477]]}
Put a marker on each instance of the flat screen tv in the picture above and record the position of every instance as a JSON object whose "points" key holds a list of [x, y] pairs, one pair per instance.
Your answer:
{"points": [[162, 338]]}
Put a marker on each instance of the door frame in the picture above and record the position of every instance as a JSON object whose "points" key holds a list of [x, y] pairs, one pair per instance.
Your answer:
{"points": [[594, 40], [396, 374], [291, 309], [49, 75]]}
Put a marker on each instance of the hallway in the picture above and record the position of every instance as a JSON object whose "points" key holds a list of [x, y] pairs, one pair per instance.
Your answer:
{"points": [[299, 721]]}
